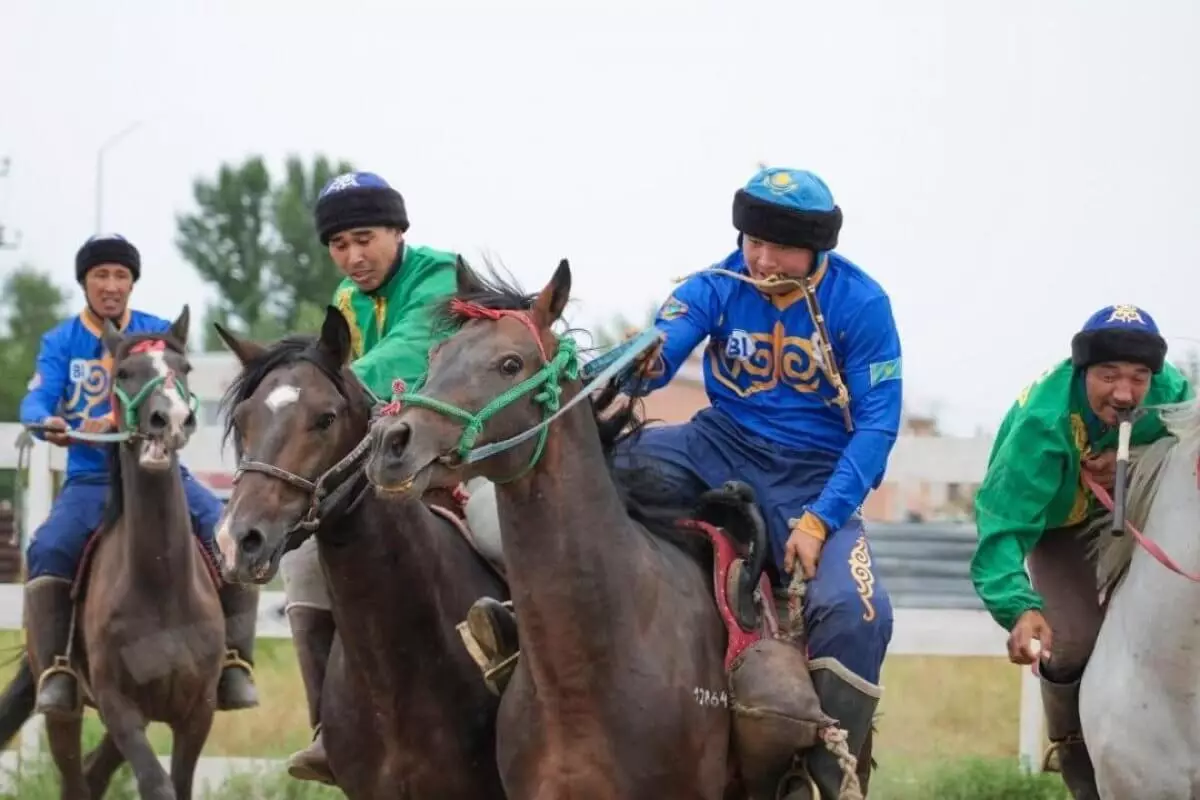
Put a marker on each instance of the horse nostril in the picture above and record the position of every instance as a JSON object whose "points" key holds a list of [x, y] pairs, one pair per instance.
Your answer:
{"points": [[252, 542], [158, 421], [190, 422], [397, 440]]}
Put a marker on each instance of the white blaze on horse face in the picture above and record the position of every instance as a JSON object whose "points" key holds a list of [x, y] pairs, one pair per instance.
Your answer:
{"points": [[226, 546], [282, 396], [178, 409]]}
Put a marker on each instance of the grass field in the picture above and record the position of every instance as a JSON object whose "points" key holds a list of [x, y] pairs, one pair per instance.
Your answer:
{"points": [[937, 715]]}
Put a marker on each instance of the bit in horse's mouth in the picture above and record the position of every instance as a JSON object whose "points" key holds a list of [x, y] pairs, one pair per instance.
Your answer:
{"points": [[403, 487]]}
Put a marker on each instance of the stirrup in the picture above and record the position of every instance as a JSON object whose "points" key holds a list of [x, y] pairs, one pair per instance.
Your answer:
{"points": [[234, 659], [798, 772], [1051, 760], [62, 666]]}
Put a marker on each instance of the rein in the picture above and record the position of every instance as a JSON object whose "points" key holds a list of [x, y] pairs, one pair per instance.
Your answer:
{"points": [[1149, 545], [545, 384]]}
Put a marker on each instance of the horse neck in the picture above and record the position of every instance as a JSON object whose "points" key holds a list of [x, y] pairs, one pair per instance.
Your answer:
{"points": [[156, 526], [567, 538], [388, 571]]}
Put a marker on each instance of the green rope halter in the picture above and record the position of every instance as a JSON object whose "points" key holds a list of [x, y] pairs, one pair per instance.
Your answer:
{"points": [[546, 384]]}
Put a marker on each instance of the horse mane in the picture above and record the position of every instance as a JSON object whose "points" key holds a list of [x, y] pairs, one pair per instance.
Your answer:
{"points": [[619, 417], [1112, 554], [114, 505], [289, 350]]}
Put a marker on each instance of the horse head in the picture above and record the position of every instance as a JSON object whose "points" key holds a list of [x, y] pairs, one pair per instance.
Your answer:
{"points": [[151, 400], [496, 377], [295, 413]]}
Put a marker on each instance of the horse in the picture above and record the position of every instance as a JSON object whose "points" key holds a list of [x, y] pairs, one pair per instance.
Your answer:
{"points": [[621, 689], [1138, 704], [403, 712], [149, 633]]}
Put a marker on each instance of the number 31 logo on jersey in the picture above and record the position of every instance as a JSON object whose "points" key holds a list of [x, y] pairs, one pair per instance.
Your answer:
{"points": [[739, 345]]}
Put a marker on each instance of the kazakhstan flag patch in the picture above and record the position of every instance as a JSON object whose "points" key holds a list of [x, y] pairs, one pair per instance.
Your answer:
{"points": [[885, 371]]}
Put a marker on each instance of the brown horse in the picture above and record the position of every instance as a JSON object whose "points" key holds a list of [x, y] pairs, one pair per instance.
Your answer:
{"points": [[621, 688], [403, 712], [149, 639]]}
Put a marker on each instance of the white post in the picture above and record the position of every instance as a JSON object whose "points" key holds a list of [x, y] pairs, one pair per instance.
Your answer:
{"points": [[1032, 722], [39, 496]]}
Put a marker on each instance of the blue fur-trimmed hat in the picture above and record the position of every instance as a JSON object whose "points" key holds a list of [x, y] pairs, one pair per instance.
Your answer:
{"points": [[107, 248], [791, 207], [1119, 333], [358, 200]]}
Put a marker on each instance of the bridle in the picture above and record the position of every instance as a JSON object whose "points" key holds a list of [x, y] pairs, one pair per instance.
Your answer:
{"points": [[545, 385]]}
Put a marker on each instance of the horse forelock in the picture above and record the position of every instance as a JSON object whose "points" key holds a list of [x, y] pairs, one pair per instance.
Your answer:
{"points": [[1147, 467], [287, 352]]}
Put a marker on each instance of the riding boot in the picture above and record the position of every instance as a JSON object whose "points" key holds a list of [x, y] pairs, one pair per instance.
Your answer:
{"points": [[312, 631], [490, 636], [48, 610], [1061, 704], [850, 700], [236, 689]]}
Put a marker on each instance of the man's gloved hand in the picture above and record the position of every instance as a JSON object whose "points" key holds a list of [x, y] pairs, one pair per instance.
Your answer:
{"points": [[804, 544]]}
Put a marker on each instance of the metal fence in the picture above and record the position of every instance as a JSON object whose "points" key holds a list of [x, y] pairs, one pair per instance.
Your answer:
{"points": [[925, 564]]}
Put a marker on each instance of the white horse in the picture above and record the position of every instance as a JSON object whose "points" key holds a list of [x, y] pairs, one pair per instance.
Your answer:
{"points": [[1139, 699]]}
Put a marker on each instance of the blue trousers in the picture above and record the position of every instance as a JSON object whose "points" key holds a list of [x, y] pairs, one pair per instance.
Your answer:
{"points": [[848, 614], [77, 512]]}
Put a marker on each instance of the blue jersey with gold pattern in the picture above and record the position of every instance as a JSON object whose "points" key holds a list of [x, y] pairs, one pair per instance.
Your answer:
{"points": [[763, 367], [73, 380]]}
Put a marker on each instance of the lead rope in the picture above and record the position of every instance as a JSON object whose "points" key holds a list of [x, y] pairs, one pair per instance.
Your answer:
{"points": [[833, 737]]}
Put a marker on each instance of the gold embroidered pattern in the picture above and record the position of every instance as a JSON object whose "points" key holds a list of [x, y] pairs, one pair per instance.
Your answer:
{"points": [[356, 338], [864, 578], [1079, 508]]}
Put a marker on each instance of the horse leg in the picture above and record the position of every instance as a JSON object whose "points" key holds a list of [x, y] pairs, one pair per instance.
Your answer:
{"points": [[66, 747], [127, 726], [101, 764], [187, 743]]}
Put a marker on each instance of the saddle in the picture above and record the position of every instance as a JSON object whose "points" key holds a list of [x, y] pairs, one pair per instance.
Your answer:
{"points": [[775, 709]]}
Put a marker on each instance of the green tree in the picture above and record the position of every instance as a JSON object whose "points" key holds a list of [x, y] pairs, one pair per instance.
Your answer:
{"points": [[30, 305], [253, 239]]}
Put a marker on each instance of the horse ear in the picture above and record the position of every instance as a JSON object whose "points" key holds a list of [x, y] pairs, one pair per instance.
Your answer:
{"points": [[467, 282], [179, 328], [245, 350], [111, 337], [335, 336], [549, 305]]}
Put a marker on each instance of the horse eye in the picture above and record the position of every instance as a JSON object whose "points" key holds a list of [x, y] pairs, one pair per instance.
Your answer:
{"points": [[511, 365], [122, 374], [325, 420]]}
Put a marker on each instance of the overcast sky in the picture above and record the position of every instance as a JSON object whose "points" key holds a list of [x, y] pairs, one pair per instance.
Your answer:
{"points": [[1004, 169]]}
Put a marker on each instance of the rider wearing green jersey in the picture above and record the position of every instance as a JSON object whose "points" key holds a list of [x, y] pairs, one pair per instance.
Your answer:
{"points": [[1033, 503], [384, 297]]}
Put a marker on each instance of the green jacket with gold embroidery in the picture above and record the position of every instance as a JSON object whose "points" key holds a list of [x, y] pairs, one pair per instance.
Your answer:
{"points": [[390, 328], [1033, 482]]}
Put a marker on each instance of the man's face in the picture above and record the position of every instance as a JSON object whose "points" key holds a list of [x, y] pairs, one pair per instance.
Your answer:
{"points": [[766, 259], [107, 287], [1115, 386], [364, 255]]}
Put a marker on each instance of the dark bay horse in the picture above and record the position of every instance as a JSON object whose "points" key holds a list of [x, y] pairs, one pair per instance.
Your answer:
{"points": [[621, 688], [404, 714], [149, 630]]}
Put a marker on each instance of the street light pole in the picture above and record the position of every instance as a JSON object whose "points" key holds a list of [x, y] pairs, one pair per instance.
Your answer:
{"points": [[109, 143]]}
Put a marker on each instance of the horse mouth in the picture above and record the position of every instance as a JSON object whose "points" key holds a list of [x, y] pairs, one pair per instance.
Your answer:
{"points": [[415, 482], [154, 456]]}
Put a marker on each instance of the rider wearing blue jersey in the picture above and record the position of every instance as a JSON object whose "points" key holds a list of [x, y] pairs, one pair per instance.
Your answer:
{"points": [[71, 390], [804, 408]]}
